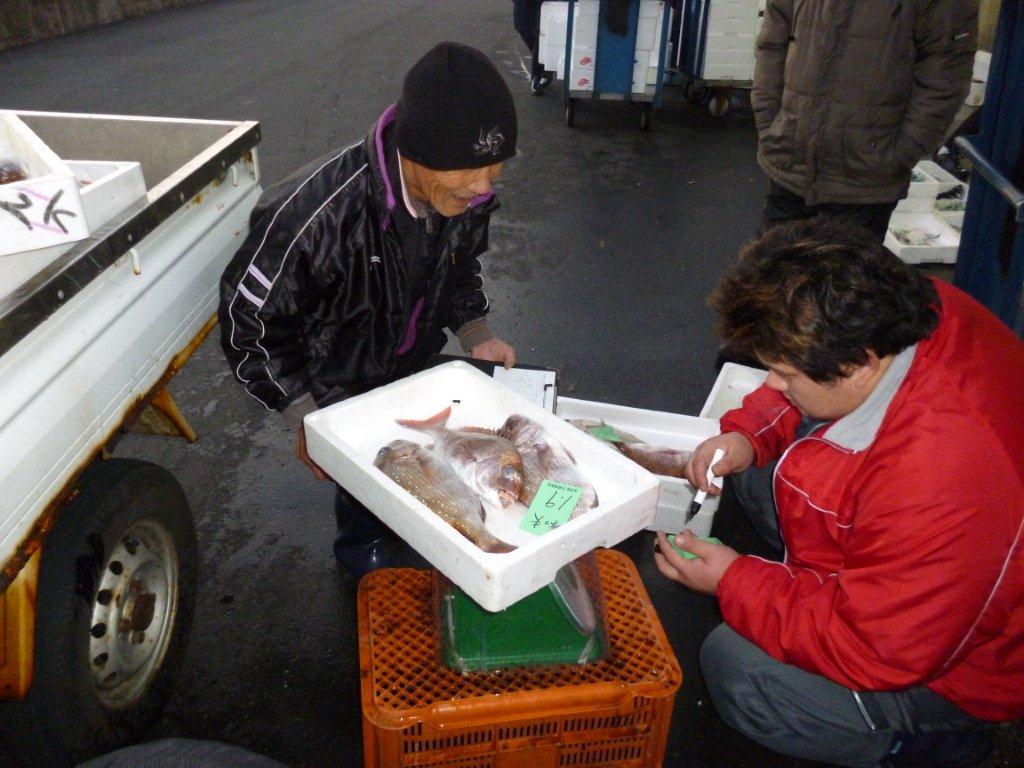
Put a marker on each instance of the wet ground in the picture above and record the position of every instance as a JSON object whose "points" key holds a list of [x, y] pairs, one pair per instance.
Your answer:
{"points": [[606, 245]]}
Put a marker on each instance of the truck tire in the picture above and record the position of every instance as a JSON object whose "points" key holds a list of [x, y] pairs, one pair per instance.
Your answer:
{"points": [[116, 593]]}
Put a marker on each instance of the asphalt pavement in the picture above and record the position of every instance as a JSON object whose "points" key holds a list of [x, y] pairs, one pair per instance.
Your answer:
{"points": [[606, 245]]}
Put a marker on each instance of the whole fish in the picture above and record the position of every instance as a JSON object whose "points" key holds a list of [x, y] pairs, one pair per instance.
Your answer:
{"points": [[544, 458], [440, 489], [657, 459], [654, 458], [487, 462]]}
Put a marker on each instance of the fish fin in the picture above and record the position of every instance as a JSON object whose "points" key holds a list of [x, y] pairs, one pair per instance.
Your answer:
{"points": [[478, 430], [437, 420]]}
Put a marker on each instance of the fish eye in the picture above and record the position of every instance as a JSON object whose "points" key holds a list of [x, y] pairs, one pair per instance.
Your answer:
{"points": [[383, 452], [510, 473]]}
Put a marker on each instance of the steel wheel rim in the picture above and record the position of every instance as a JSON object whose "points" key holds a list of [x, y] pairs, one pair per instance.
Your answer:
{"points": [[133, 613]]}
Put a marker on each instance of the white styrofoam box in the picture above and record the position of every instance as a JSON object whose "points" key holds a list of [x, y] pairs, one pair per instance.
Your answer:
{"points": [[344, 439], [936, 180], [940, 251], [584, 58], [955, 219], [651, 9], [584, 31], [671, 430], [734, 382], [551, 48], [982, 62], [923, 205], [109, 189], [588, 7], [975, 94], [915, 204], [647, 33], [48, 205]]}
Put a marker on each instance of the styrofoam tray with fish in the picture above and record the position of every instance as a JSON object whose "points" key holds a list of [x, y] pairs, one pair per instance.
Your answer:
{"points": [[928, 180], [734, 382], [671, 430], [345, 438], [922, 238]]}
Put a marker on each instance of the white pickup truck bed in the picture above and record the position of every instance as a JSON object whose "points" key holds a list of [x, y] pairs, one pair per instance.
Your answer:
{"points": [[90, 334]]}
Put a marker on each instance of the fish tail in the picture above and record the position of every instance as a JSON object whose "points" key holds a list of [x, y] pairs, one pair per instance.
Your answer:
{"points": [[437, 420], [496, 546]]}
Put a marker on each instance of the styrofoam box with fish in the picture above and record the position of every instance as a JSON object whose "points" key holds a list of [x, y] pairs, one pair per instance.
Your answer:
{"points": [[922, 238], [344, 439], [670, 430], [928, 179], [734, 382], [45, 208]]}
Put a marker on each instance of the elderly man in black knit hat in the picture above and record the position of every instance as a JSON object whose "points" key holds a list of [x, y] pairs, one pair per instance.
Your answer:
{"points": [[357, 263]]}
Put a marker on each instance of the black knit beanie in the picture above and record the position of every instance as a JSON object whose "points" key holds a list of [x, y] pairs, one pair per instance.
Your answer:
{"points": [[455, 112]]}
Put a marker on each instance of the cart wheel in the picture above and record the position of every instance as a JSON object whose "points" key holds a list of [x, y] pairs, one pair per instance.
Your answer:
{"points": [[719, 103], [570, 112], [645, 116], [695, 91]]}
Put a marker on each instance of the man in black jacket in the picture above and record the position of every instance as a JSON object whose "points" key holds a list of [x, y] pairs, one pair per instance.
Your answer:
{"points": [[357, 263]]}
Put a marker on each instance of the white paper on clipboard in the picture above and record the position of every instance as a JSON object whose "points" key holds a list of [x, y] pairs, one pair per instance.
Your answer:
{"points": [[536, 386]]}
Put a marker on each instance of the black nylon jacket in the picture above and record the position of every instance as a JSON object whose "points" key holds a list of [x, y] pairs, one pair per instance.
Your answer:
{"points": [[315, 299]]}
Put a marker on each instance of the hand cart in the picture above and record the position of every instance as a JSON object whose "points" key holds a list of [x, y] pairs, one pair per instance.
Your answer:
{"points": [[610, 70]]}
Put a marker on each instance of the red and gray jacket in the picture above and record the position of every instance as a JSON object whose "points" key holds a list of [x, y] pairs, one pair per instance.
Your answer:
{"points": [[314, 306], [902, 525]]}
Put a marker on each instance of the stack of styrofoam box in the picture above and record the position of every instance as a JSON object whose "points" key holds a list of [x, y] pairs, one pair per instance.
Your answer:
{"points": [[648, 42], [44, 209], [586, 14], [106, 189], [732, 29], [553, 29], [584, 45], [918, 211]]}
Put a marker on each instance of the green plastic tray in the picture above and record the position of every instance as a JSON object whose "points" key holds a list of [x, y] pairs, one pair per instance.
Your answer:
{"points": [[536, 631]]}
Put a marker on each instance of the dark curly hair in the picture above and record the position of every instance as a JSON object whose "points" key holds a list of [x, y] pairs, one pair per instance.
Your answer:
{"points": [[818, 295]]}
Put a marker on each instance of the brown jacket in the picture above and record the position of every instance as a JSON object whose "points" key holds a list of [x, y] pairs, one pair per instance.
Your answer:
{"points": [[849, 94]]}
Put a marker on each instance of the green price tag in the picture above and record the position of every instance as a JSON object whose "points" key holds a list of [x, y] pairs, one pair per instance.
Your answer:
{"points": [[683, 552], [604, 432], [551, 507]]}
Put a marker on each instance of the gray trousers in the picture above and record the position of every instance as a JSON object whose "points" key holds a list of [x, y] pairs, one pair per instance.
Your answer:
{"points": [[802, 714]]}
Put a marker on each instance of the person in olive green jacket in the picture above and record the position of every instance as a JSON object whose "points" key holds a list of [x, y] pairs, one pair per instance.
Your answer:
{"points": [[849, 94]]}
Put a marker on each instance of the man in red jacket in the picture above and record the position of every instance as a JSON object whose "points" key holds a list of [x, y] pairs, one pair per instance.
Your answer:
{"points": [[884, 455]]}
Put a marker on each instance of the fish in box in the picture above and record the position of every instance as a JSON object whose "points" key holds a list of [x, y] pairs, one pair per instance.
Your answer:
{"points": [[345, 438]]}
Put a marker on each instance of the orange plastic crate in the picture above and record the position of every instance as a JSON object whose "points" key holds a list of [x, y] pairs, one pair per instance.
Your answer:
{"points": [[417, 712]]}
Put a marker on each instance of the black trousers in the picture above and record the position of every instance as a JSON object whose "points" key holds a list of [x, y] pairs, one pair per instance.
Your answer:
{"points": [[781, 205]]}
